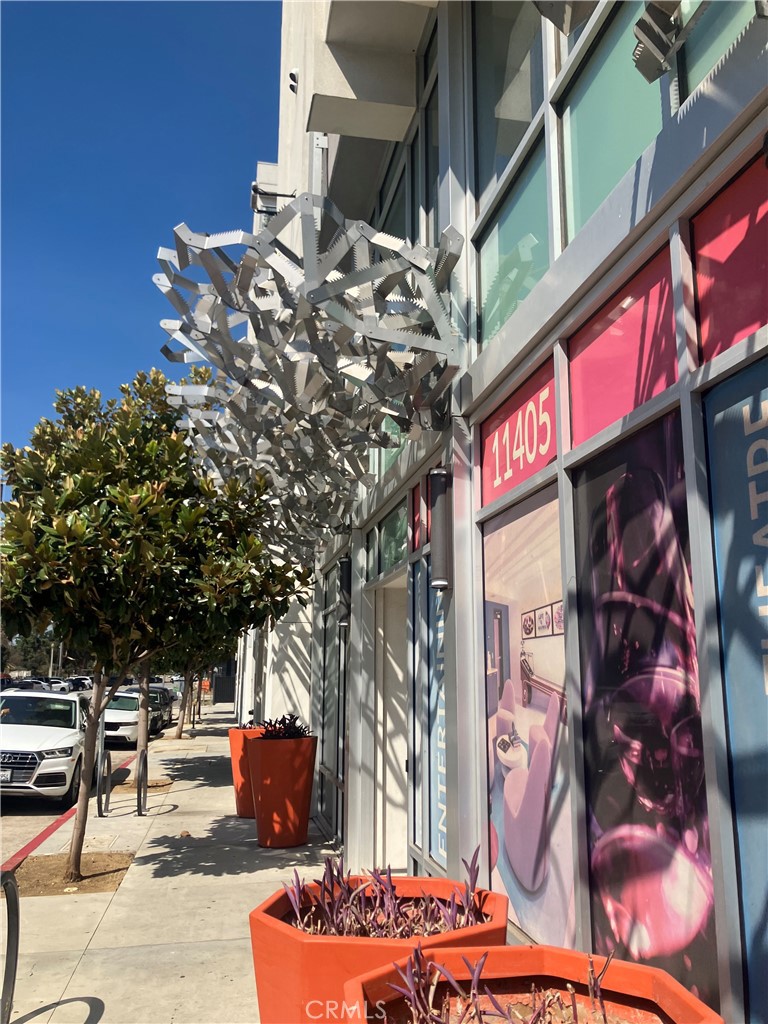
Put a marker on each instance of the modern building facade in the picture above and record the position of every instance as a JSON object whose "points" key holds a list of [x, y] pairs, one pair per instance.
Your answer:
{"points": [[545, 631]]}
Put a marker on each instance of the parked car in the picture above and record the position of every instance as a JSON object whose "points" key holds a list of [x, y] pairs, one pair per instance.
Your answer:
{"points": [[160, 700], [121, 717], [81, 682], [58, 685], [42, 738], [32, 684]]}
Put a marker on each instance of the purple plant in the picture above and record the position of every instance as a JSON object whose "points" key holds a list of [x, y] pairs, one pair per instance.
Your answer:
{"points": [[286, 728], [420, 990], [373, 907]]}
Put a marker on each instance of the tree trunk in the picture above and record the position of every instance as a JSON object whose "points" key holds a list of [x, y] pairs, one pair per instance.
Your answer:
{"points": [[73, 872], [143, 738], [184, 702]]}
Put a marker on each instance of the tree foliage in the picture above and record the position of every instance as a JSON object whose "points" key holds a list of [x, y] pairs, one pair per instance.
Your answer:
{"points": [[112, 535]]}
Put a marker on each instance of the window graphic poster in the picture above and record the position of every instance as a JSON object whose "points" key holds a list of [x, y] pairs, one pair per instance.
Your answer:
{"points": [[650, 867], [529, 795], [737, 455], [438, 777]]}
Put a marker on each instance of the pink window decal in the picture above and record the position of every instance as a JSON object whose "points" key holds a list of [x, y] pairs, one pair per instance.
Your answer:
{"points": [[519, 438], [626, 354], [730, 245]]}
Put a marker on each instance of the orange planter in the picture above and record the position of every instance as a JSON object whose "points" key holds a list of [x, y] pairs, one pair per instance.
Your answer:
{"points": [[637, 994], [300, 978], [241, 776], [282, 773]]}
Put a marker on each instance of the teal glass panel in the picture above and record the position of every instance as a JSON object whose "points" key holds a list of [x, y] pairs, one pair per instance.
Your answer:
{"points": [[610, 116], [393, 533], [514, 253], [388, 456], [711, 36], [509, 81]]}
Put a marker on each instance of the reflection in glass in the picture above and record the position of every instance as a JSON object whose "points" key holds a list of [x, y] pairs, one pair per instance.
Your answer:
{"points": [[514, 252], [509, 81]]}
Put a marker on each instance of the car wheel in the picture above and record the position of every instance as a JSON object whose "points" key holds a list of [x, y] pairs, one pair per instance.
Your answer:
{"points": [[70, 797]]}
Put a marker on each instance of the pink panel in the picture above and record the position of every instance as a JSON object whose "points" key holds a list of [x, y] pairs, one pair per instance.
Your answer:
{"points": [[626, 354], [519, 438], [730, 242]]}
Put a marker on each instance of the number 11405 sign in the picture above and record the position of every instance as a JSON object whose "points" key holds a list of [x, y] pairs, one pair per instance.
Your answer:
{"points": [[519, 439]]}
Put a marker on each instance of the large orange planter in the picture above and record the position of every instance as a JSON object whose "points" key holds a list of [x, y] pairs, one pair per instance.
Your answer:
{"points": [[300, 978], [637, 994], [241, 777], [282, 773]]}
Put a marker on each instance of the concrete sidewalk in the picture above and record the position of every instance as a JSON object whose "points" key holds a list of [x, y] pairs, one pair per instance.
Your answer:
{"points": [[172, 945]]}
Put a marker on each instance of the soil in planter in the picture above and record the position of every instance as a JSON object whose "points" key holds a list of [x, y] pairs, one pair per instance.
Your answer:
{"points": [[453, 1007]]}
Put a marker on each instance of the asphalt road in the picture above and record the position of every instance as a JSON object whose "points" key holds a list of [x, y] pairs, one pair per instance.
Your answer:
{"points": [[24, 817]]}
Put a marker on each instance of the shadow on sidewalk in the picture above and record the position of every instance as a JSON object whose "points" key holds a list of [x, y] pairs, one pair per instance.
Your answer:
{"points": [[211, 769], [95, 1010], [230, 848]]}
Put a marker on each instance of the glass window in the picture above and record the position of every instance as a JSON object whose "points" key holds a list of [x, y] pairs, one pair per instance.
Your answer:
{"points": [[371, 568], [711, 36], [509, 81], [388, 456], [610, 116], [395, 165], [514, 252], [393, 532], [432, 167], [626, 354], [430, 54], [530, 837], [730, 243], [414, 233], [395, 222], [643, 743]]}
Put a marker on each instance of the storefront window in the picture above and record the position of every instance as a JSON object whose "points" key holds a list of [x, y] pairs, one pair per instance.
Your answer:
{"points": [[737, 457], [528, 781], [393, 534], [514, 252], [509, 81], [611, 115], [432, 168], [711, 36], [388, 456], [626, 354], [650, 866], [730, 252]]}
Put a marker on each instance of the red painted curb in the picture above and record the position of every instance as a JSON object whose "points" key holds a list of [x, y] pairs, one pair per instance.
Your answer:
{"points": [[15, 859]]}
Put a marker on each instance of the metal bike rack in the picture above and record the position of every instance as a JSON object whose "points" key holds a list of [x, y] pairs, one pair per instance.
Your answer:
{"points": [[11, 890], [142, 784]]}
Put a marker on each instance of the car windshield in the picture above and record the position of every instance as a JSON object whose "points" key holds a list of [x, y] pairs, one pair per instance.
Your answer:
{"points": [[154, 699], [123, 702], [18, 709]]}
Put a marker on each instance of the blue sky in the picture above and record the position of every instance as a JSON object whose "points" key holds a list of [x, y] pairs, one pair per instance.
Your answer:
{"points": [[119, 120]]}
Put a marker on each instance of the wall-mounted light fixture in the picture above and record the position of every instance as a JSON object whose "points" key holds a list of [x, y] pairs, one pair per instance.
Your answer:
{"points": [[440, 527], [293, 79], [345, 590]]}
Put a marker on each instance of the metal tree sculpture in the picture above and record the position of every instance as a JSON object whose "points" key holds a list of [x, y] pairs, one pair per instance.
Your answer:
{"points": [[332, 346]]}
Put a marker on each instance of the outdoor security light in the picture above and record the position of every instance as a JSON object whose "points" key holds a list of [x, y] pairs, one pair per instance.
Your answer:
{"points": [[293, 79], [440, 527]]}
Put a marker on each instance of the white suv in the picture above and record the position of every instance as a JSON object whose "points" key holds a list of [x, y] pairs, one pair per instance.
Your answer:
{"points": [[42, 738]]}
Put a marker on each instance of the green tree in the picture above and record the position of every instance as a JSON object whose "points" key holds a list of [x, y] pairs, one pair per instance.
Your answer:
{"points": [[114, 536]]}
